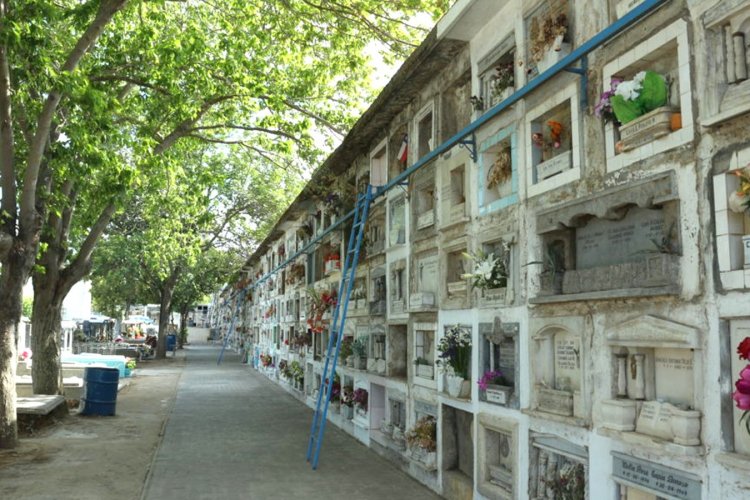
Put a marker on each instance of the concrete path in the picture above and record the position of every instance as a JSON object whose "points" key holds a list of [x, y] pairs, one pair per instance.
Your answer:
{"points": [[233, 434]]}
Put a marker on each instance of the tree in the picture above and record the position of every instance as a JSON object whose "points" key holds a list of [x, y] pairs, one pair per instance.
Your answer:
{"points": [[83, 109], [203, 278]]}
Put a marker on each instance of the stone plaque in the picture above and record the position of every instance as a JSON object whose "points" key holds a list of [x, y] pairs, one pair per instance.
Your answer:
{"points": [[567, 362], [554, 166], [656, 478], [557, 402], [427, 274], [420, 407], [655, 420], [605, 242], [673, 371], [507, 361]]}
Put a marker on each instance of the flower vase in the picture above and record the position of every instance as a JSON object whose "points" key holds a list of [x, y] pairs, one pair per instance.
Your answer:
{"points": [[686, 426], [457, 386], [348, 412]]}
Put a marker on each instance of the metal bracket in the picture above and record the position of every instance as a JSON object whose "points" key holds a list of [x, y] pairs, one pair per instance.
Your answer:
{"points": [[582, 71], [470, 144]]}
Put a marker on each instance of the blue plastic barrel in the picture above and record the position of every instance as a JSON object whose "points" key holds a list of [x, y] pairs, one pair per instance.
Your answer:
{"points": [[171, 342], [99, 390]]}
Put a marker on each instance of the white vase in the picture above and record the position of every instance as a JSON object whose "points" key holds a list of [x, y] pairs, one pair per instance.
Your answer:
{"points": [[686, 426], [456, 386]]}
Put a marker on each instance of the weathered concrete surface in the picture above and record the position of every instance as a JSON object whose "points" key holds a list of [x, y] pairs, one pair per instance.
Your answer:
{"points": [[233, 434], [92, 458]]}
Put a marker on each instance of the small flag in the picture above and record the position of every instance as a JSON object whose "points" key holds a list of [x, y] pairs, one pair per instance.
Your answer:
{"points": [[403, 152]]}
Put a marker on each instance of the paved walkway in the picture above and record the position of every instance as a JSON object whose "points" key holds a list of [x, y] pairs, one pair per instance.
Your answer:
{"points": [[233, 434]]}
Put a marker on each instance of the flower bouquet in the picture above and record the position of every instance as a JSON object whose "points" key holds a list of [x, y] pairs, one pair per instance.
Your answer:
{"points": [[454, 353], [489, 272], [739, 200], [359, 398], [496, 387], [422, 441], [500, 170], [547, 45], [741, 395]]}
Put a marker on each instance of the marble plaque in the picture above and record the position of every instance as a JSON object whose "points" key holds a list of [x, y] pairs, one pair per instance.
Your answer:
{"points": [[604, 242], [427, 274], [673, 370], [656, 478], [655, 420], [567, 362], [507, 360]]}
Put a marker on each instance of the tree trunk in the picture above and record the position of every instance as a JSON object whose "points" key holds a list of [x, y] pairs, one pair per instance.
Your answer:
{"points": [[15, 271], [183, 323], [46, 332], [165, 309]]}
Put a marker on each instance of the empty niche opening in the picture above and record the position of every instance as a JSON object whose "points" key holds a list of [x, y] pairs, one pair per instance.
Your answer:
{"points": [[396, 351], [425, 134], [458, 445], [379, 167], [425, 206]]}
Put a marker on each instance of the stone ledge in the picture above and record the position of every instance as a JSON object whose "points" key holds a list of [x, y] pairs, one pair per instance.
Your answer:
{"points": [[624, 293], [654, 443], [38, 404], [543, 415], [734, 461]]}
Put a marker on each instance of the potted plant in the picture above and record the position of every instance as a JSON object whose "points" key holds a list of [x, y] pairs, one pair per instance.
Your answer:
{"points": [[424, 368], [359, 352], [502, 82], [548, 44], [335, 400], [347, 402], [422, 442], [346, 351], [454, 351], [640, 106], [496, 387]]}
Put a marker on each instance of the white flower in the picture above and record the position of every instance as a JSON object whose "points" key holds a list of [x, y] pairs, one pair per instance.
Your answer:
{"points": [[639, 77], [629, 90]]}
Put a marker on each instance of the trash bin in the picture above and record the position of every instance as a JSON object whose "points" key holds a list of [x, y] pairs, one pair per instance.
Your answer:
{"points": [[172, 343], [99, 391]]}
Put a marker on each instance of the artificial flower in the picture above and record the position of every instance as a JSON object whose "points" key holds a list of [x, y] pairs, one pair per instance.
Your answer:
{"points": [[742, 395], [743, 349]]}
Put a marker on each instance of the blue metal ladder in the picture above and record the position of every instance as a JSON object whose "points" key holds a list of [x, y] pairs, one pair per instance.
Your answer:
{"points": [[230, 331], [354, 245]]}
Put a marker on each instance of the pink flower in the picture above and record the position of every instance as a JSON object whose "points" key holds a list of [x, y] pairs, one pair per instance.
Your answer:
{"points": [[742, 394]]}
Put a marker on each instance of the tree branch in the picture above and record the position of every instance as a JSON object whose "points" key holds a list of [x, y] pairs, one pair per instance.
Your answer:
{"points": [[186, 125], [247, 128], [28, 217], [8, 214], [82, 262]]}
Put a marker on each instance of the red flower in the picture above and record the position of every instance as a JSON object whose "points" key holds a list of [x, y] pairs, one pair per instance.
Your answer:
{"points": [[744, 349]]}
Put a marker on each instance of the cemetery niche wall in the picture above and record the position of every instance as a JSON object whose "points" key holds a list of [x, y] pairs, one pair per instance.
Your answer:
{"points": [[623, 242], [656, 390], [499, 363], [558, 363]]}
